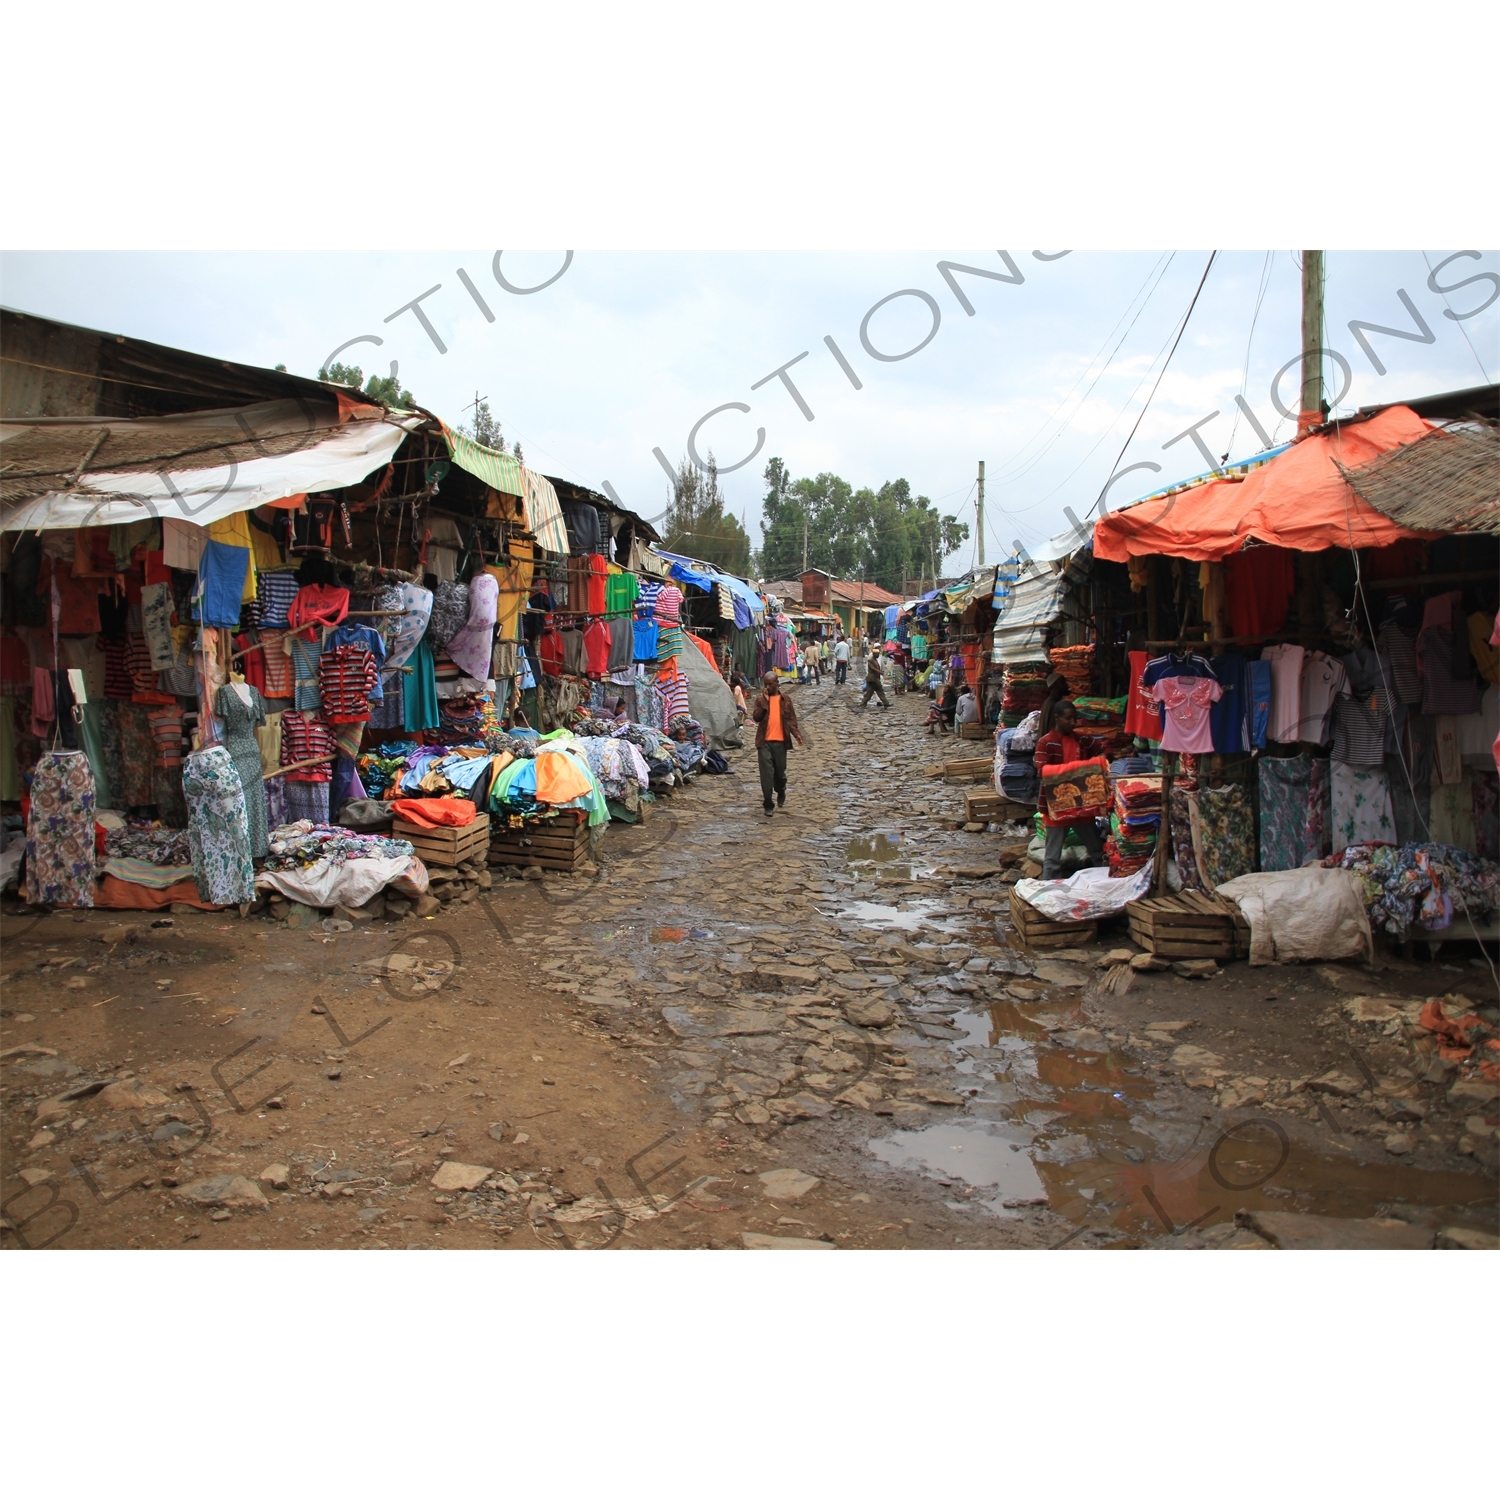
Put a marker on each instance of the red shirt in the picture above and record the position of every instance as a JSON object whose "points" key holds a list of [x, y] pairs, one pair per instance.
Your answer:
{"points": [[596, 642], [549, 650]]}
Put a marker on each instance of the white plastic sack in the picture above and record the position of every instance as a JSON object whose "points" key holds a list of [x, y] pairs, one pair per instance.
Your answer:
{"points": [[1298, 916], [1086, 896], [327, 884]]}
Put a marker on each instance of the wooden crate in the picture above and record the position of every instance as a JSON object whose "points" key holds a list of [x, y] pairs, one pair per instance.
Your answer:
{"points": [[1189, 925], [559, 844], [990, 807], [446, 846], [980, 769], [1036, 931], [976, 731]]}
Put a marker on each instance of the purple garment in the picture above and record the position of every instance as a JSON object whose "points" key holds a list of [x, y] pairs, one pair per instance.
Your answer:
{"points": [[471, 648]]}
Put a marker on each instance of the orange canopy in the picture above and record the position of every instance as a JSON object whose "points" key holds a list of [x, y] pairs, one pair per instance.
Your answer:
{"points": [[1299, 500]]}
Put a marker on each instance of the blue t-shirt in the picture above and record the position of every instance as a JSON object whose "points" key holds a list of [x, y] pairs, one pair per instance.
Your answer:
{"points": [[1226, 718], [646, 633]]}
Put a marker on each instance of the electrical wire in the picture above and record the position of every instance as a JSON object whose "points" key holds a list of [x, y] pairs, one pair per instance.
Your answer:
{"points": [[1431, 277], [1213, 255], [1260, 297], [1007, 473]]}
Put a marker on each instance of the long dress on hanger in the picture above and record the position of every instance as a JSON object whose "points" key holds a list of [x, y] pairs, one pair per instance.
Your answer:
{"points": [[60, 831], [218, 829], [240, 721]]}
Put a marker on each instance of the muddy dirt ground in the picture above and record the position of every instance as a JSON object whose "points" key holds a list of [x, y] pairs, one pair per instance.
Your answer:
{"points": [[812, 1031]]}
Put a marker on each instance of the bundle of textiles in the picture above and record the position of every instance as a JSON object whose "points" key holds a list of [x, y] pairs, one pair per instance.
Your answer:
{"points": [[614, 760], [1428, 884], [1103, 711], [1023, 691], [295, 846], [464, 714], [1015, 768], [1134, 765], [381, 769], [153, 846], [558, 775], [1134, 821], [1076, 663]]}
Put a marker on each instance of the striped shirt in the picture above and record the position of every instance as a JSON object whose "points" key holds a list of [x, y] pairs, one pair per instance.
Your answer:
{"points": [[346, 674], [274, 593], [302, 737]]}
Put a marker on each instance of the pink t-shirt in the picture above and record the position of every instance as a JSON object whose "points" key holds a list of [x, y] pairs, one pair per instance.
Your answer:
{"points": [[1286, 691], [1186, 725]]}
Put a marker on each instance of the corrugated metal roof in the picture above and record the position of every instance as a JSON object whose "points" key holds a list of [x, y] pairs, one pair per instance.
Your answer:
{"points": [[1446, 481]]}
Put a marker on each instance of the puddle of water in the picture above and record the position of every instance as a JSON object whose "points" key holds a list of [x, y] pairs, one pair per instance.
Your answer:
{"points": [[908, 918], [1094, 1141], [984, 1156], [874, 846]]}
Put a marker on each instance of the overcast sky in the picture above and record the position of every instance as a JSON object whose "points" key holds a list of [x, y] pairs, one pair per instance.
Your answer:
{"points": [[624, 352]]}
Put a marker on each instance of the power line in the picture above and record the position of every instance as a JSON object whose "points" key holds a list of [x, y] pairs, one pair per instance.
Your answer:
{"points": [[1431, 277], [1213, 255], [1260, 296]]}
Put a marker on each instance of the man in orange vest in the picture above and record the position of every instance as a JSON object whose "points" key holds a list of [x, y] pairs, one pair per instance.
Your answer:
{"points": [[775, 722]]}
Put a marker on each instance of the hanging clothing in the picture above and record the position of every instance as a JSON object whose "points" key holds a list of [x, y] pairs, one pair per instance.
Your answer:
{"points": [[1442, 691], [597, 644], [410, 626], [317, 604], [218, 828], [303, 736], [347, 675], [221, 584], [1227, 718], [241, 720], [60, 860], [1322, 680], [276, 593], [421, 689], [1186, 724], [1259, 585], [470, 647], [1286, 691], [304, 800], [1223, 833], [1295, 809], [1362, 812]]}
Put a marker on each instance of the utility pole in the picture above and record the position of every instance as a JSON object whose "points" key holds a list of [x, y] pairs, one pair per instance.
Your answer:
{"points": [[979, 512], [1311, 412], [804, 541]]}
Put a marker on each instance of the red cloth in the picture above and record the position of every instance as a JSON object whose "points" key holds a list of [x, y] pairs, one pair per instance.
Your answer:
{"points": [[1075, 792], [115, 894], [596, 641], [1141, 715], [1259, 585], [597, 587], [252, 664], [156, 571], [15, 662], [435, 812], [79, 598], [317, 604], [549, 650], [1298, 500]]}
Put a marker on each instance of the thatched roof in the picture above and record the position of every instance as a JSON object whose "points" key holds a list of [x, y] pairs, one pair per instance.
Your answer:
{"points": [[1447, 481]]}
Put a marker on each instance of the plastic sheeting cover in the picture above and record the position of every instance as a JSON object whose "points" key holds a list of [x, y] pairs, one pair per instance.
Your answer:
{"points": [[710, 702], [1298, 916]]}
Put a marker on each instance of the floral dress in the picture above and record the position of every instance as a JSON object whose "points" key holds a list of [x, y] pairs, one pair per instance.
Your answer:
{"points": [[60, 831], [218, 830], [1362, 812], [1294, 811], [240, 721]]}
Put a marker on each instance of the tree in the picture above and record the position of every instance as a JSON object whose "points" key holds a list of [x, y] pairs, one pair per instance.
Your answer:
{"points": [[485, 429], [885, 536], [385, 389], [698, 525]]}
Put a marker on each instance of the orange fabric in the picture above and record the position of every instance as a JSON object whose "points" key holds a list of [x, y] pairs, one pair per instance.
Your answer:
{"points": [[773, 717], [124, 895], [1451, 1031], [1299, 500], [435, 812], [559, 778], [704, 647]]}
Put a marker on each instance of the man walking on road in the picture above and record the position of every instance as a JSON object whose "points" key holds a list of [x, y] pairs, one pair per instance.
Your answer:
{"points": [[810, 672], [841, 662], [775, 722], [874, 683]]}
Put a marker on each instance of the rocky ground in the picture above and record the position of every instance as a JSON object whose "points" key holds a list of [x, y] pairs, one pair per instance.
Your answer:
{"points": [[809, 1031]]}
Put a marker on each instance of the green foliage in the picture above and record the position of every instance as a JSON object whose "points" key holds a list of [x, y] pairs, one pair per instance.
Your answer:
{"points": [[485, 429], [385, 389], [698, 525], [885, 536]]}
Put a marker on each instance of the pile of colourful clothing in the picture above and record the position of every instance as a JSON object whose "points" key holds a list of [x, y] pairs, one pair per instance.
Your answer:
{"points": [[1023, 691], [557, 775], [1427, 885], [296, 846], [1076, 663], [1134, 823], [1105, 717], [381, 769], [152, 846]]}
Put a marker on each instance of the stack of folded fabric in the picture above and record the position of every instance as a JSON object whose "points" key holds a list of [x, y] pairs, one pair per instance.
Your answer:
{"points": [[1076, 663], [1105, 717], [1016, 777], [1023, 691], [1134, 822]]}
